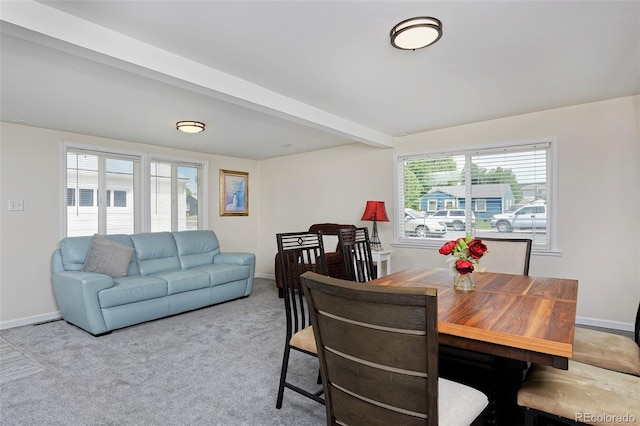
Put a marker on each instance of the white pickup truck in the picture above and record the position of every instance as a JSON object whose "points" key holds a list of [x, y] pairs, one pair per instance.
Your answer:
{"points": [[531, 216]]}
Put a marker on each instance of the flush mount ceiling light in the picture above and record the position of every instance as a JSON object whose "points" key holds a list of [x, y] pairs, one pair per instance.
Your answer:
{"points": [[190, 126], [416, 33]]}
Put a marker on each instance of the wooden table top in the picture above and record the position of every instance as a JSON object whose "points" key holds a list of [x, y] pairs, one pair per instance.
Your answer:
{"points": [[517, 316]]}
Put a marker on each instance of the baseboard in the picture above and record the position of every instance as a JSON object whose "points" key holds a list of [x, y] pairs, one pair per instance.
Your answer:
{"points": [[30, 320], [265, 276], [614, 325]]}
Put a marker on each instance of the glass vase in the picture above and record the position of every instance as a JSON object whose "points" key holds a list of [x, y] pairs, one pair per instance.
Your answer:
{"points": [[464, 282]]}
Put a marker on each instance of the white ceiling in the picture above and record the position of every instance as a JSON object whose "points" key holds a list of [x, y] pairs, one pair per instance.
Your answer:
{"points": [[272, 78]]}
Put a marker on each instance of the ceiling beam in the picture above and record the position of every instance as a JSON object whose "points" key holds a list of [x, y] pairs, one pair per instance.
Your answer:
{"points": [[84, 38]]}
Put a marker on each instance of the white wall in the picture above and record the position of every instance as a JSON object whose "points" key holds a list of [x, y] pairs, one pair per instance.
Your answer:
{"points": [[30, 170], [598, 191], [598, 197]]}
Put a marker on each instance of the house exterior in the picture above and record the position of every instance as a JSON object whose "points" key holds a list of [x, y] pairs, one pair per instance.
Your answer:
{"points": [[486, 200], [83, 203]]}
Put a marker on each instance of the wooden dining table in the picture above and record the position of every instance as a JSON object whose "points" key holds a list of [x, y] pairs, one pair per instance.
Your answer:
{"points": [[516, 316], [489, 336]]}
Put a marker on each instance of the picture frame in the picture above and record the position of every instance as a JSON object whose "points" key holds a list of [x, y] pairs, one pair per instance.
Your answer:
{"points": [[234, 193]]}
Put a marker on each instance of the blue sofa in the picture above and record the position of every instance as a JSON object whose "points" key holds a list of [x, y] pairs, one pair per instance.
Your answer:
{"points": [[169, 273]]}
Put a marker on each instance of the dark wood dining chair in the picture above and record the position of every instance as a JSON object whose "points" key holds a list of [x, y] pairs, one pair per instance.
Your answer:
{"points": [[498, 377], [507, 255], [608, 350], [298, 252], [356, 254], [378, 351]]}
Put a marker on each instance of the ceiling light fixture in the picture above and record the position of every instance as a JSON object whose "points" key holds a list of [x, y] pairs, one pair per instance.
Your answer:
{"points": [[416, 33], [190, 126]]}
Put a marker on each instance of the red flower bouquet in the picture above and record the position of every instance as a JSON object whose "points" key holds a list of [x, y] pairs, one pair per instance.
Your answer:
{"points": [[465, 253]]}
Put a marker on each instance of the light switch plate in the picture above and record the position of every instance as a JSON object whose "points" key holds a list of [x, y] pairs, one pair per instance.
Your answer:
{"points": [[16, 205]]}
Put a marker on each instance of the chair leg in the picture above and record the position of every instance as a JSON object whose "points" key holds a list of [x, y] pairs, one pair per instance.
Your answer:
{"points": [[529, 417], [283, 376]]}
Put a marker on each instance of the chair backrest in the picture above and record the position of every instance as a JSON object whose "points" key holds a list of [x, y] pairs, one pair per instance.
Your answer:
{"points": [[329, 229], [356, 254], [507, 256], [378, 351], [299, 252]]}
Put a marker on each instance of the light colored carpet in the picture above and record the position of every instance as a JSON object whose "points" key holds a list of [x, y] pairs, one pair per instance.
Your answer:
{"points": [[14, 365], [215, 366]]}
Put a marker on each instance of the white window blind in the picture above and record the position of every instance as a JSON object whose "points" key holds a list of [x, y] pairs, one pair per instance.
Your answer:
{"points": [[485, 186]]}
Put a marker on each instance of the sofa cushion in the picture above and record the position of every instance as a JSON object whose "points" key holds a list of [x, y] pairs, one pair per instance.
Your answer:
{"points": [[196, 248], [74, 250], [224, 273], [132, 289], [155, 252], [184, 280], [108, 257]]}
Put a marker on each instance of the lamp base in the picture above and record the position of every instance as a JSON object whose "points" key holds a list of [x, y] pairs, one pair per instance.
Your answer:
{"points": [[375, 243]]}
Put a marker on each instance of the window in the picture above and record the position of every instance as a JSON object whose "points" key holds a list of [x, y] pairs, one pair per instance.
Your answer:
{"points": [[120, 198], [71, 197], [86, 197], [91, 173], [479, 192], [175, 190], [125, 193]]}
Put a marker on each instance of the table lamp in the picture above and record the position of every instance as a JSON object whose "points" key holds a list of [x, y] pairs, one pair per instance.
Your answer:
{"points": [[376, 212]]}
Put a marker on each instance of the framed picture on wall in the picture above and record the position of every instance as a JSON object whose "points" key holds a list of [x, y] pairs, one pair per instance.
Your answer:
{"points": [[234, 193]]}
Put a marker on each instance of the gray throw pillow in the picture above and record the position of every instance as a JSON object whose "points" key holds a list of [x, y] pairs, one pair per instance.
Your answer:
{"points": [[108, 257]]}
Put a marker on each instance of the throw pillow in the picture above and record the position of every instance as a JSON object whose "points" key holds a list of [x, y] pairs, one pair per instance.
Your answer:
{"points": [[108, 257]]}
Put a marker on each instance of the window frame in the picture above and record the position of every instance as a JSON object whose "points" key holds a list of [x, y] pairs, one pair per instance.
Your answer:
{"points": [[142, 216], [203, 222], [552, 200]]}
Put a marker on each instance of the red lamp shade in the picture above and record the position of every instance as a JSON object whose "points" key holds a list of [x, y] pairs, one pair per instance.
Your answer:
{"points": [[375, 211]]}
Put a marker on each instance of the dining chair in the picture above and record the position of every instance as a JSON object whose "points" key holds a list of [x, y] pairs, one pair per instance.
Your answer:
{"points": [[332, 254], [378, 351], [498, 377], [507, 255], [356, 254], [583, 394], [298, 252], [608, 350]]}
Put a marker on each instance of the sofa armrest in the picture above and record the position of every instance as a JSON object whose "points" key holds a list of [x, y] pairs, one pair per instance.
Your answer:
{"points": [[246, 259], [77, 295]]}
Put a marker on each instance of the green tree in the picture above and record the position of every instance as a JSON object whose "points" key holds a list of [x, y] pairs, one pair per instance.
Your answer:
{"points": [[422, 175], [483, 176]]}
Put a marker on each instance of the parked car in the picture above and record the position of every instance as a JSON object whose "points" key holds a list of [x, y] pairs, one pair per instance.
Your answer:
{"points": [[531, 216], [453, 218], [417, 223]]}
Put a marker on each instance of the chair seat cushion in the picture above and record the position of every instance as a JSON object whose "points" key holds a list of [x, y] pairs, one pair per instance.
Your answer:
{"points": [[606, 350], [459, 404], [305, 339], [584, 393]]}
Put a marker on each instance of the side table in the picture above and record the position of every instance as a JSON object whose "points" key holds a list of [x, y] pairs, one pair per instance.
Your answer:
{"points": [[382, 258]]}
